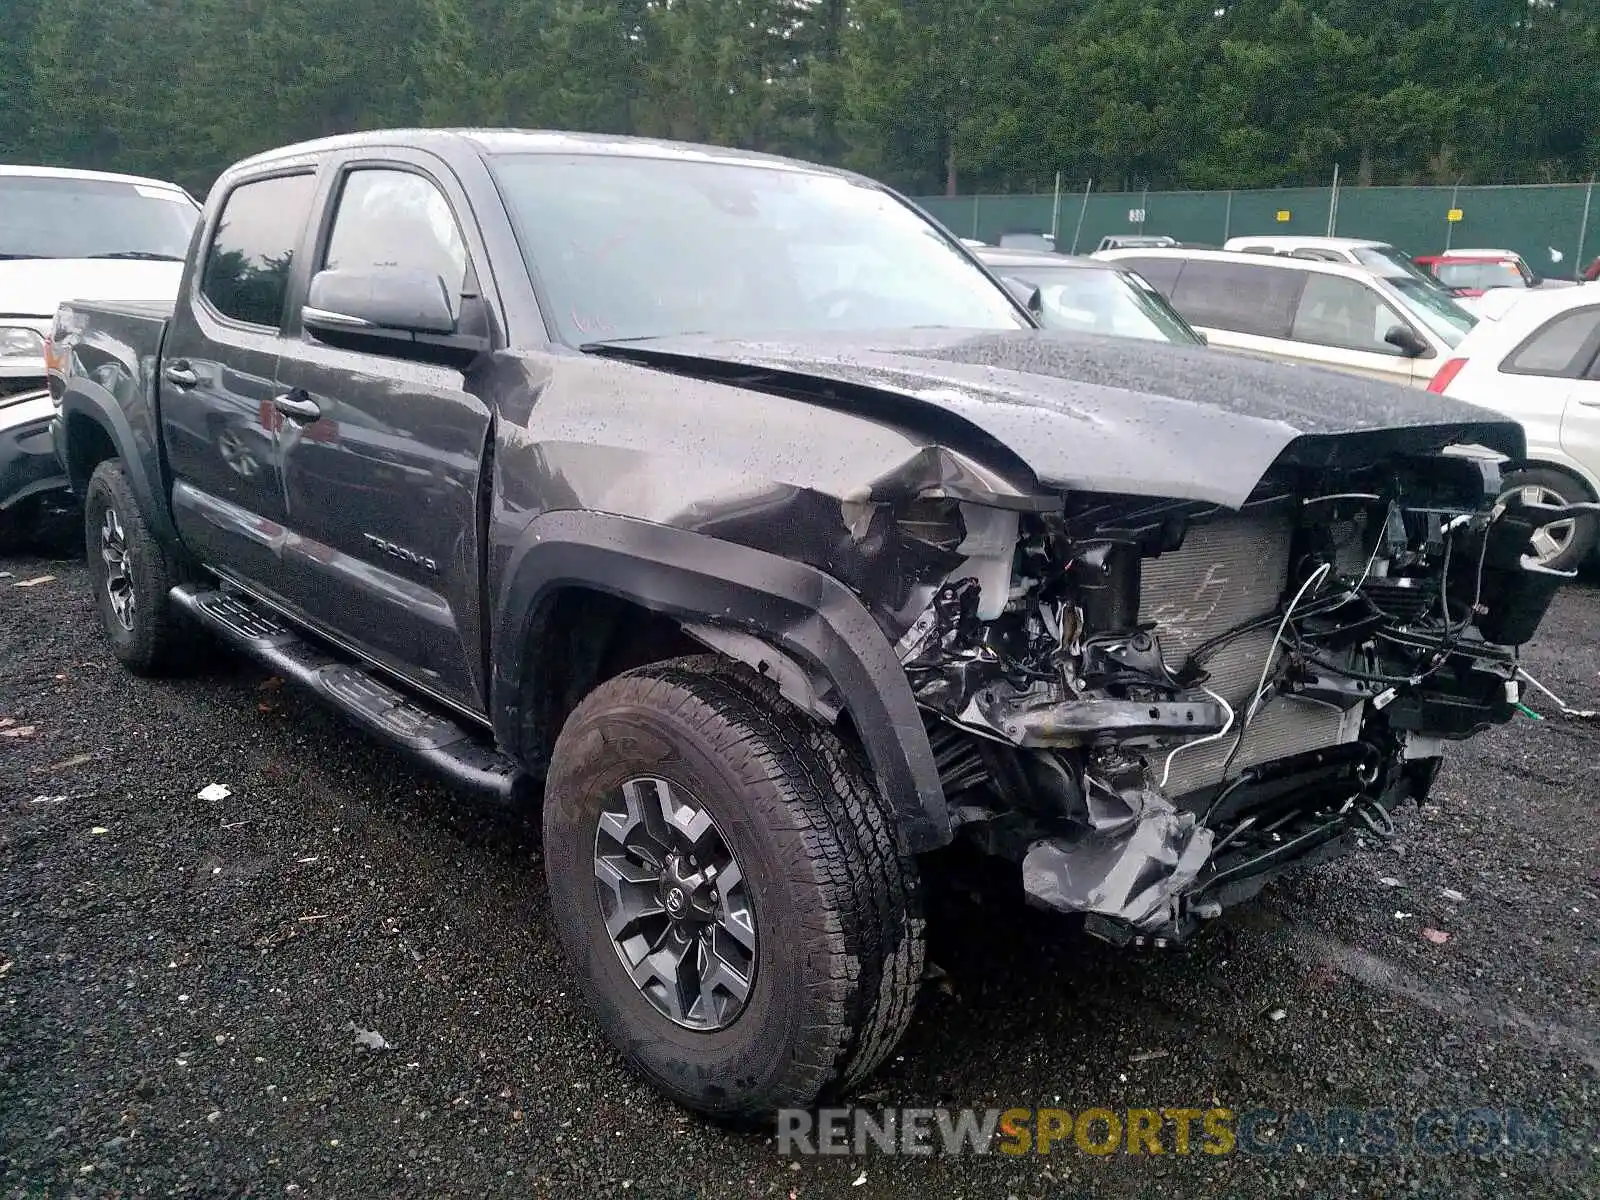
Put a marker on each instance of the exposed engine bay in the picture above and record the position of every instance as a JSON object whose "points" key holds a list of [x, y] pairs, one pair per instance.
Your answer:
{"points": [[1154, 706]]}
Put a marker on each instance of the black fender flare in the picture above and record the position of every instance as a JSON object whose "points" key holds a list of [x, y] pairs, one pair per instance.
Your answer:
{"points": [[694, 578], [84, 398]]}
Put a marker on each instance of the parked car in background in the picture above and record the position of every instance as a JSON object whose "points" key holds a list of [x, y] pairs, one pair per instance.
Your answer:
{"points": [[1540, 364], [1087, 295], [68, 235], [1378, 257], [768, 542], [1027, 240], [1332, 314], [1129, 241], [1471, 274]]}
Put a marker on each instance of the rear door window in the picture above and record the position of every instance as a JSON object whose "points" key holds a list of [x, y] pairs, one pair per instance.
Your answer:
{"points": [[1240, 297], [1564, 347], [247, 265]]}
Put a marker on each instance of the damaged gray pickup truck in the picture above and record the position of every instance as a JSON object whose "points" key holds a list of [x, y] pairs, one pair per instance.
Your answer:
{"points": [[732, 510]]}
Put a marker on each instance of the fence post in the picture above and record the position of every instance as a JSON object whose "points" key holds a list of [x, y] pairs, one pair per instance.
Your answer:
{"points": [[1449, 225], [1333, 203], [1227, 218], [974, 233], [1583, 230], [1055, 212], [1078, 232]]}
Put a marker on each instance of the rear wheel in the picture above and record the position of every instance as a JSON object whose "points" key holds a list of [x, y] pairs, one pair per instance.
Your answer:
{"points": [[734, 896], [1561, 545], [132, 577]]}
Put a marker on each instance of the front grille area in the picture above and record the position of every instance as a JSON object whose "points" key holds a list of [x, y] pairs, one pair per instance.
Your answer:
{"points": [[1228, 572]]}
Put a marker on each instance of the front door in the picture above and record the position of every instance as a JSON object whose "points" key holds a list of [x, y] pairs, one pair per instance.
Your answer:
{"points": [[1341, 323], [381, 455], [218, 421]]}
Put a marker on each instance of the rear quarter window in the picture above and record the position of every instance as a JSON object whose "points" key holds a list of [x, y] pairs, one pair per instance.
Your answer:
{"points": [[1564, 347], [1239, 297]]}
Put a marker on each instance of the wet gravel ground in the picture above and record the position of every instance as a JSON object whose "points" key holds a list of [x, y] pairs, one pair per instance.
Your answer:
{"points": [[182, 980]]}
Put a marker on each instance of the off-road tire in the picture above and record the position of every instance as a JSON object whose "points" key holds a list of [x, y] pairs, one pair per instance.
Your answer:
{"points": [[161, 641], [836, 895], [1586, 526]]}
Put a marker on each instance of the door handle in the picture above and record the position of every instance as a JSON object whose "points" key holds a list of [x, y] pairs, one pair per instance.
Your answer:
{"points": [[182, 375], [297, 405]]}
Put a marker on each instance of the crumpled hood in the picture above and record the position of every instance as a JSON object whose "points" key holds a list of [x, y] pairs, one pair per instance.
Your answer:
{"points": [[1111, 414], [36, 287]]}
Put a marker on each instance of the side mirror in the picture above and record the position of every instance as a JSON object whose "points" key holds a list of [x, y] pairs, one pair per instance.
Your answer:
{"points": [[392, 300], [1407, 340], [399, 311], [1025, 293]]}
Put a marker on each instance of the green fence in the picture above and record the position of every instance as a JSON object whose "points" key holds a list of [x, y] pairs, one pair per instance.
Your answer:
{"points": [[1548, 225]]}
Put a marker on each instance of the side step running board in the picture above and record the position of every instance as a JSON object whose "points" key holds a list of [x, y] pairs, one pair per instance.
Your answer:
{"points": [[437, 741]]}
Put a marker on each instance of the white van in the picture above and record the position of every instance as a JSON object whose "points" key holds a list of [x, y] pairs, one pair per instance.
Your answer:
{"points": [[1356, 252], [1393, 327]]}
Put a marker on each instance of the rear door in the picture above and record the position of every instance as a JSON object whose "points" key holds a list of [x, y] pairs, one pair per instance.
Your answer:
{"points": [[218, 423], [381, 468], [1239, 305]]}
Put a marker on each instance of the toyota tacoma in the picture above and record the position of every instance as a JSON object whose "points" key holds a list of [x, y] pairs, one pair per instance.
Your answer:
{"points": [[730, 510]]}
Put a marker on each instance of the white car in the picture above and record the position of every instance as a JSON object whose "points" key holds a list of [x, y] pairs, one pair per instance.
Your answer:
{"points": [[1392, 327], [69, 235], [1356, 252], [1539, 363]]}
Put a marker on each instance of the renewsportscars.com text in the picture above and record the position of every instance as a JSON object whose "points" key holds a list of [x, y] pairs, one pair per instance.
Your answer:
{"points": [[1180, 1131]]}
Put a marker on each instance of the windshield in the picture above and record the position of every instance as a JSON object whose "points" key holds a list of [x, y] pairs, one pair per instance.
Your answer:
{"points": [[1435, 309], [1481, 276], [1096, 300], [47, 216], [634, 248], [1387, 260]]}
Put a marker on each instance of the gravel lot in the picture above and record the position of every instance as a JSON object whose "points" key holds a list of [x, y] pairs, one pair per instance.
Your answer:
{"points": [[182, 980]]}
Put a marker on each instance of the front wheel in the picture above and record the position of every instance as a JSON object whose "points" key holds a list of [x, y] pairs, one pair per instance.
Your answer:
{"points": [[731, 890], [132, 577]]}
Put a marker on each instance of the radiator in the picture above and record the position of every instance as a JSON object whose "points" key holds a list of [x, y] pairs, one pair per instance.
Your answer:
{"points": [[1229, 571]]}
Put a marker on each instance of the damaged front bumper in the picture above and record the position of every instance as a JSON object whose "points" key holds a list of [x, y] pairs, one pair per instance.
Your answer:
{"points": [[1143, 871], [1154, 713]]}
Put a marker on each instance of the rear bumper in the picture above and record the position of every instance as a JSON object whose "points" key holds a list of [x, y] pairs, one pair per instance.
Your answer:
{"points": [[28, 462]]}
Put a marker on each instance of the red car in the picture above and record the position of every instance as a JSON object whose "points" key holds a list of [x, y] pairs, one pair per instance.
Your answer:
{"points": [[1473, 272]]}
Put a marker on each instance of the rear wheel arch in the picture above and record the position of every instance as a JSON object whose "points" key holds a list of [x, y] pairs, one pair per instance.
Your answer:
{"points": [[95, 429], [88, 444], [676, 586], [1590, 490]]}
